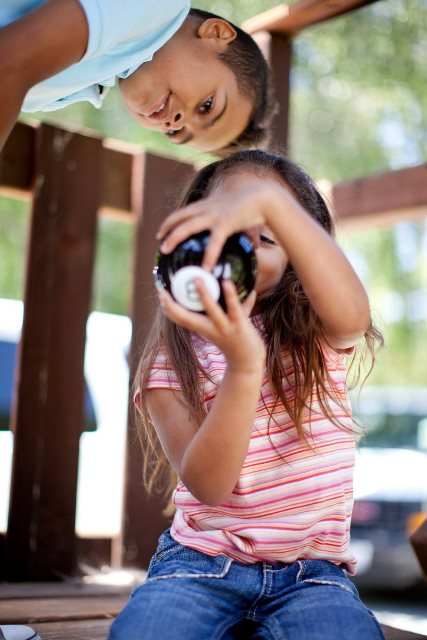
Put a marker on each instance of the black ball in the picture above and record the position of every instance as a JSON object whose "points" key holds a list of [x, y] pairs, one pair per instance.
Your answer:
{"points": [[175, 272]]}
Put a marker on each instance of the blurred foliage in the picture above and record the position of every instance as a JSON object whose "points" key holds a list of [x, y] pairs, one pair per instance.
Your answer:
{"points": [[14, 221], [392, 263], [113, 267], [359, 91], [358, 106]]}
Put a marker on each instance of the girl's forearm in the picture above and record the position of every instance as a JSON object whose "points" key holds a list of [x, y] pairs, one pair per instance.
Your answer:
{"points": [[334, 289], [213, 460]]}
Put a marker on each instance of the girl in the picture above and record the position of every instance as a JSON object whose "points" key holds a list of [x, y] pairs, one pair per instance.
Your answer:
{"points": [[250, 409]]}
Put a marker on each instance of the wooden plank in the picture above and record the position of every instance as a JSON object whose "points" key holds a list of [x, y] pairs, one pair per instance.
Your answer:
{"points": [[156, 184], [382, 199], [71, 589], [17, 162], [79, 630], [17, 169], [391, 633], [289, 19], [98, 630], [377, 200], [48, 412], [116, 175], [29, 611], [278, 53]]}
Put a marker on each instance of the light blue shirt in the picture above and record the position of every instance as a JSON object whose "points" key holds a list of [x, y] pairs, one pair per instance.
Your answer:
{"points": [[123, 34]]}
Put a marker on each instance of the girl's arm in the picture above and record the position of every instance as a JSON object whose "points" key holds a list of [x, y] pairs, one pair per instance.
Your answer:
{"points": [[335, 291], [329, 280], [208, 457], [35, 47]]}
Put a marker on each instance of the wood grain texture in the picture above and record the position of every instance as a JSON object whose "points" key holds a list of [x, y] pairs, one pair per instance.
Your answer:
{"points": [[289, 19]]}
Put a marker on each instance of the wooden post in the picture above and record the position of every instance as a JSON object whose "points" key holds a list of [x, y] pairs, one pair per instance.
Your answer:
{"points": [[48, 412], [156, 183], [277, 50]]}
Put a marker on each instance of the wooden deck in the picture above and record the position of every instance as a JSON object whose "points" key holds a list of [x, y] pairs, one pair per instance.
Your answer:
{"points": [[77, 611], [62, 611]]}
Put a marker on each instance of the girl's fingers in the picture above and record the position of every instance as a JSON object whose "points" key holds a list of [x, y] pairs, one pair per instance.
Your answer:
{"points": [[253, 235], [214, 321], [249, 303], [179, 315], [217, 240], [175, 218], [214, 247], [182, 224], [183, 231], [234, 306], [212, 308]]}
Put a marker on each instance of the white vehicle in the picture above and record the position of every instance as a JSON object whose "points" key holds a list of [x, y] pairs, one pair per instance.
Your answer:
{"points": [[102, 445], [390, 485]]}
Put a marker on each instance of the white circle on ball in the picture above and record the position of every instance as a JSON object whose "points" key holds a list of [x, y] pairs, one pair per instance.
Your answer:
{"points": [[184, 290]]}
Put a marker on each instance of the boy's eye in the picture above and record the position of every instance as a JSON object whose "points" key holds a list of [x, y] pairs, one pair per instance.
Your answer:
{"points": [[206, 106], [266, 239]]}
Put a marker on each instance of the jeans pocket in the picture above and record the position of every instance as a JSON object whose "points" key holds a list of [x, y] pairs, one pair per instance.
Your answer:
{"points": [[174, 560], [324, 572]]}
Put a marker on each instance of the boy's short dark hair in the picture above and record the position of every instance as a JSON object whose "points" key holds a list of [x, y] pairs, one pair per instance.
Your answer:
{"points": [[248, 64]]}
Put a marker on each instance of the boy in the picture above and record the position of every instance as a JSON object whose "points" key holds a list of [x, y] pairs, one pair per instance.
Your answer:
{"points": [[187, 73]]}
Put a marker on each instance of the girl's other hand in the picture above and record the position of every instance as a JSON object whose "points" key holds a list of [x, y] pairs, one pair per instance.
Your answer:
{"points": [[222, 213], [231, 331]]}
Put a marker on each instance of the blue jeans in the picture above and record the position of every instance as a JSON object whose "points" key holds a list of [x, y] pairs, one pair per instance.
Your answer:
{"points": [[189, 595]]}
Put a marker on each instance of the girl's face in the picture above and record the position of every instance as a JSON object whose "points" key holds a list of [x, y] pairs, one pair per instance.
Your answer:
{"points": [[271, 257]]}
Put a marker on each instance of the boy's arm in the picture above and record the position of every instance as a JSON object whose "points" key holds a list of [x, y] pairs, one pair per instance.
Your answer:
{"points": [[35, 47]]}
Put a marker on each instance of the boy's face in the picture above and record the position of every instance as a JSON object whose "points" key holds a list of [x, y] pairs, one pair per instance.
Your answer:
{"points": [[187, 93]]}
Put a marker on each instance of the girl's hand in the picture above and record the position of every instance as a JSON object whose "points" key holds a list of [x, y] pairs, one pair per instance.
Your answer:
{"points": [[232, 332], [222, 213]]}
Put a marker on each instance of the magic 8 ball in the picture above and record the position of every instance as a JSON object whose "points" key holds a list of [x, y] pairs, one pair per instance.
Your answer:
{"points": [[175, 272]]}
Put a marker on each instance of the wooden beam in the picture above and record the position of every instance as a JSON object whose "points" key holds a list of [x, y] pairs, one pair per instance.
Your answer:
{"points": [[17, 171], [48, 409], [392, 633], [381, 200], [156, 184], [289, 19], [278, 52], [377, 200], [17, 163], [116, 177]]}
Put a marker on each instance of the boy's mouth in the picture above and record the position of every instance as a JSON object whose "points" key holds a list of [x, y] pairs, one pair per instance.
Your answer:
{"points": [[159, 110]]}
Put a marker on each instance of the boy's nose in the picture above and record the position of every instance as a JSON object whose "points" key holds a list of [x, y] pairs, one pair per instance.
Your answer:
{"points": [[175, 120]]}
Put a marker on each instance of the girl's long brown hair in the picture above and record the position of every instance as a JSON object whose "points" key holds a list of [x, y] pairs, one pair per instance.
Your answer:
{"points": [[289, 324]]}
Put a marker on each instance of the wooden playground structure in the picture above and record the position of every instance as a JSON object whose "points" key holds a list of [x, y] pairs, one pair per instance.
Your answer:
{"points": [[71, 179]]}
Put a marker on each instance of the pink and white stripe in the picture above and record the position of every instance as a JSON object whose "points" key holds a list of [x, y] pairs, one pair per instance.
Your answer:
{"points": [[292, 501]]}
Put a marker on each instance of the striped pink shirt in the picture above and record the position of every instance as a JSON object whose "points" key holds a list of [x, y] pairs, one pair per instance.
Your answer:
{"points": [[291, 501]]}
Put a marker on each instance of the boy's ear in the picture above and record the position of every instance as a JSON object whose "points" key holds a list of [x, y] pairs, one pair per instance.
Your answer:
{"points": [[219, 31]]}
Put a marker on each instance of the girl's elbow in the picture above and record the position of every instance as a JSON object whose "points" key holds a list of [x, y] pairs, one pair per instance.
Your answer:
{"points": [[209, 495], [358, 320], [364, 321], [206, 490]]}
